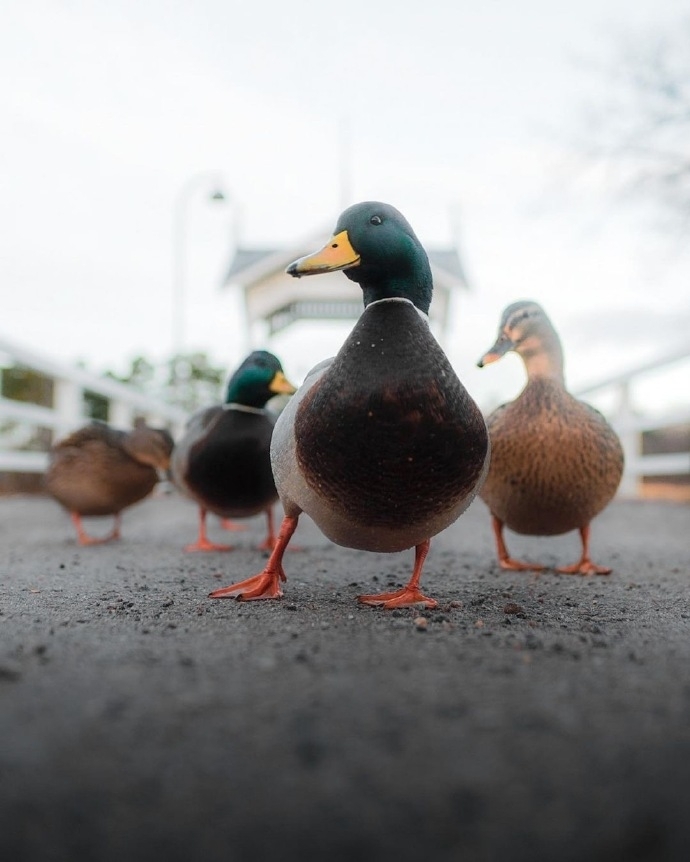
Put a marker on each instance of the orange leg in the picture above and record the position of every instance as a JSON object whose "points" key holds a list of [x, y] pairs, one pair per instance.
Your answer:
{"points": [[232, 526], [82, 537], [409, 596], [269, 542], [203, 543], [585, 566], [265, 585], [505, 561]]}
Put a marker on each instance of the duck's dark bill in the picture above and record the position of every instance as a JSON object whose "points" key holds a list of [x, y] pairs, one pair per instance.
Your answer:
{"points": [[336, 254], [502, 346]]}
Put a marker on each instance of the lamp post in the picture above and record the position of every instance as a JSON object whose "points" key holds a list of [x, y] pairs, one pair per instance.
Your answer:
{"points": [[179, 239]]}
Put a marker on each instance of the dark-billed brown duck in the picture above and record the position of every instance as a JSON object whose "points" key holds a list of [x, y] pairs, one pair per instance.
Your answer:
{"points": [[99, 470], [555, 461]]}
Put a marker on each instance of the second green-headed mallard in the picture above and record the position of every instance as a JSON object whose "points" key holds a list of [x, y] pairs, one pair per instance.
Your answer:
{"points": [[99, 470], [382, 446], [222, 460], [555, 461]]}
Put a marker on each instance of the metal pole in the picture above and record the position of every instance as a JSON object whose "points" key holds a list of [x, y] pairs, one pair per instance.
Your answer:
{"points": [[179, 240]]}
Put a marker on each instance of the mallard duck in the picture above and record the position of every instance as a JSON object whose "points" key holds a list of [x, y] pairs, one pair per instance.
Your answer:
{"points": [[381, 446], [99, 470], [222, 461], [555, 461]]}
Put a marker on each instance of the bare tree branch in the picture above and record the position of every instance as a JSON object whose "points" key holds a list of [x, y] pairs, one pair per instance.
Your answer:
{"points": [[641, 127]]}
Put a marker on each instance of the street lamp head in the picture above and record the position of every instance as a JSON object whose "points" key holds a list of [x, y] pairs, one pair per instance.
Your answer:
{"points": [[218, 195]]}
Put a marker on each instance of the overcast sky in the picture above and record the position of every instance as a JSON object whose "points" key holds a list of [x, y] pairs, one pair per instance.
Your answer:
{"points": [[463, 115]]}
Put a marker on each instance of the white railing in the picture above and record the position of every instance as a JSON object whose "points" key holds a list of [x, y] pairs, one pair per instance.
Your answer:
{"points": [[631, 424], [68, 410], [68, 413]]}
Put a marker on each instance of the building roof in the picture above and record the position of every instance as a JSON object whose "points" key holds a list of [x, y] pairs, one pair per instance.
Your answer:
{"points": [[448, 260], [245, 258], [271, 296], [252, 265]]}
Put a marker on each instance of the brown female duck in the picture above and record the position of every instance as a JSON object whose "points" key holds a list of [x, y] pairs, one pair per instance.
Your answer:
{"points": [[99, 470], [555, 461]]}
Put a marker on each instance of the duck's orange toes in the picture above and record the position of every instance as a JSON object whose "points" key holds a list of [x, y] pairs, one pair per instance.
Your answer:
{"points": [[584, 567], [203, 543], [409, 596], [505, 561], [207, 545], [84, 539], [511, 565], [90, 540], [404, 598], [265, 585]]}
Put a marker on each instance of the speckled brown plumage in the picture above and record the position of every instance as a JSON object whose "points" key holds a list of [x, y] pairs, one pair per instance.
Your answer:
{"points": [[99, 470], [555, 461]]}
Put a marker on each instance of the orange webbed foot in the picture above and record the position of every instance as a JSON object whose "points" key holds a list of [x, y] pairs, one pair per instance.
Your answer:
{"points": [[410, 596], [207, 545], [90, 540], [85, 540], [203, 543], [585, 568], [505, 561], [511, 565], [404, 598], [265, 585]]}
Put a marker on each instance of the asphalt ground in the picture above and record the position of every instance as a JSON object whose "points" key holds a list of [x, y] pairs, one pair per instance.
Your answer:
{"points": [[527, 718]]}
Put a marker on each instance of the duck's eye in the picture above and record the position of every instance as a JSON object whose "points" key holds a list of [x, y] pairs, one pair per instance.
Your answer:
{"points": [[376, 219]]}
